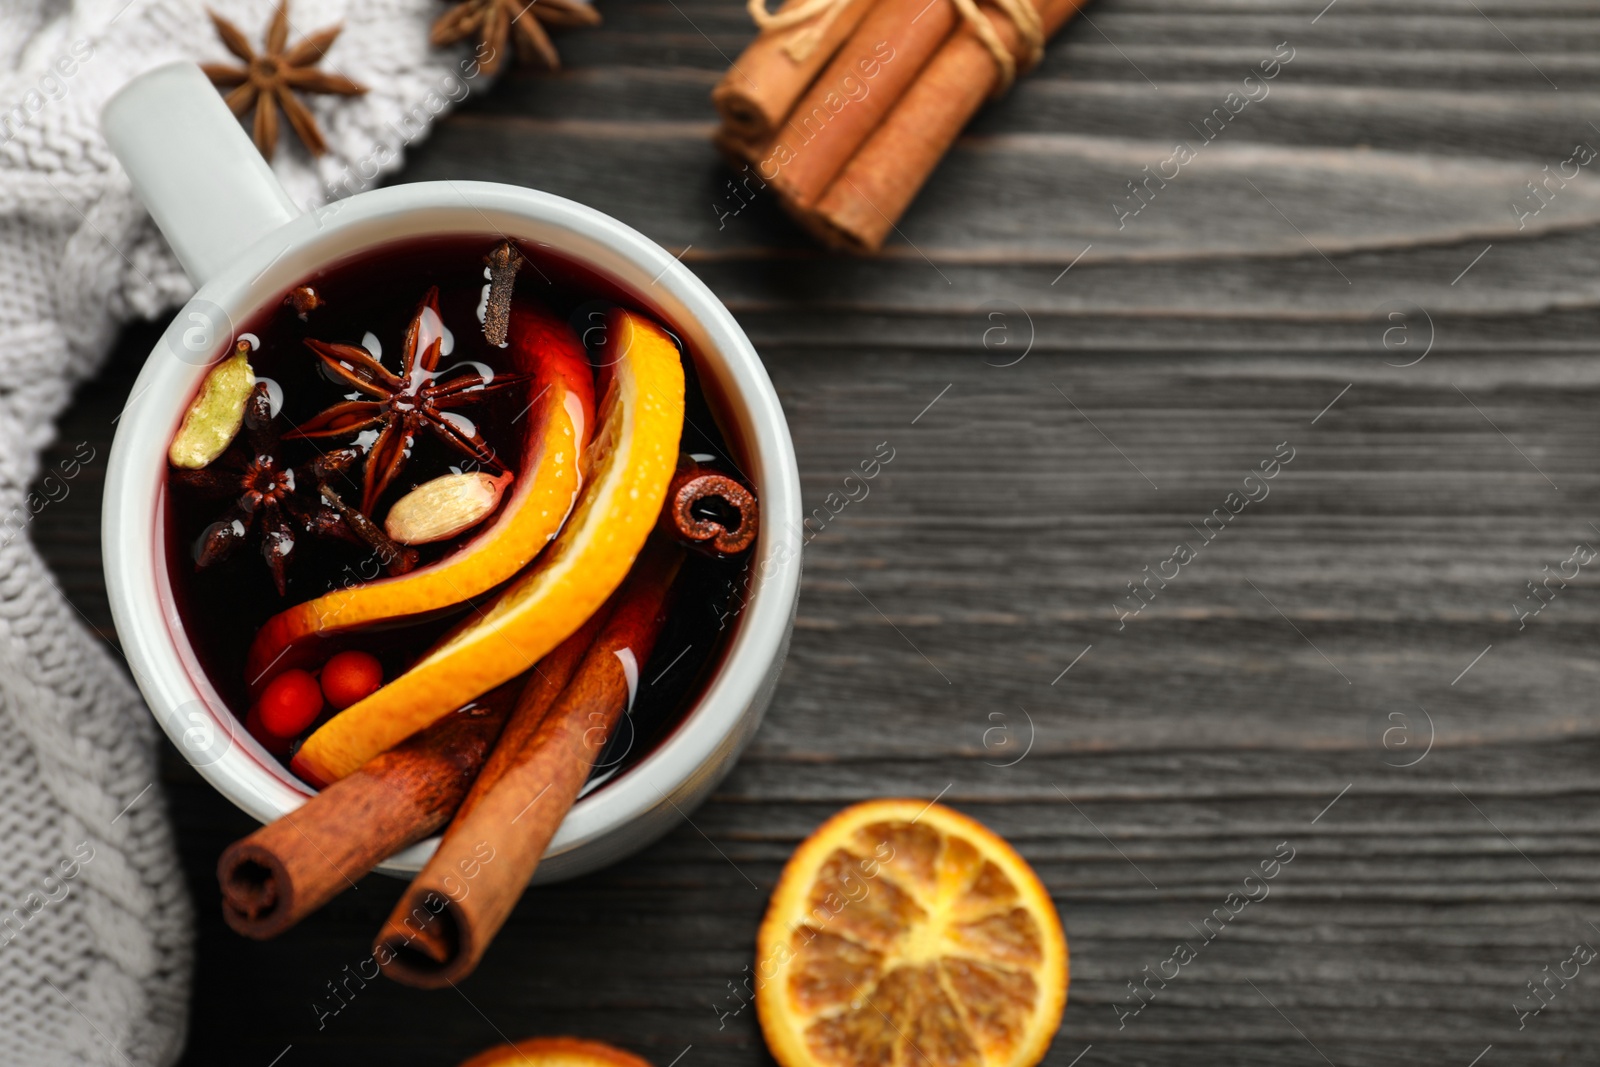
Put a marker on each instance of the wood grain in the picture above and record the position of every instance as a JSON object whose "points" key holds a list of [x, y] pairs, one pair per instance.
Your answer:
{"points": [[1260, 687]]}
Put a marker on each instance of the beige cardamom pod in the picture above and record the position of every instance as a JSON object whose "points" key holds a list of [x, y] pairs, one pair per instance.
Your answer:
{"points": [[444, 507], [214, 418]]}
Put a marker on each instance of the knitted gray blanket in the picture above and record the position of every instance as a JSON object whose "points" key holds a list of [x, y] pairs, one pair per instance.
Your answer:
{"points": [[95, 932]]}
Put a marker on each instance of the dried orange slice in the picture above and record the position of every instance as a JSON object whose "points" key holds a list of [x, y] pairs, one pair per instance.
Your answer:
{"points": [[556, 1052], [903, 933], [561, 415], [630, 463]]}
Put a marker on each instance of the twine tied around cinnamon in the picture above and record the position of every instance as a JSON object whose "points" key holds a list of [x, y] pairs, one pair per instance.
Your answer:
{"points": [[810, 20]]}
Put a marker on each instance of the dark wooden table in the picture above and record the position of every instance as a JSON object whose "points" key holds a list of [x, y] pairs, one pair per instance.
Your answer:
{"points": [[1346, 667]]}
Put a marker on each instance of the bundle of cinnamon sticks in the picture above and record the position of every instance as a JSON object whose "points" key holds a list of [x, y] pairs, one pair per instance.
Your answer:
{"points": [[844, 107], [501, 773]]}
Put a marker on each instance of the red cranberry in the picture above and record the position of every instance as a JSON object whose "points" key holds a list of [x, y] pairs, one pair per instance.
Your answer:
{"points": [[290, 703], [351, 676]]}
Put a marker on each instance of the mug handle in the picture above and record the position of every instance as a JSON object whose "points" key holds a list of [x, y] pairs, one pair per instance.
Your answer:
{"points": [[193, 166]]}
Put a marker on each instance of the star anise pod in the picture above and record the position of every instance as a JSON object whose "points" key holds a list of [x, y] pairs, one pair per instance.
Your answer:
{"points": [[269, 79], [397, 407], [275, 502], [495, 20]]}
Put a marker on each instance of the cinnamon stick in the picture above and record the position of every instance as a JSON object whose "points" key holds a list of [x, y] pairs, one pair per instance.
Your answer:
{"points": [[493, 847], [765, 81], [294, 865], [709, 512], [860, 208], [871, 71]]}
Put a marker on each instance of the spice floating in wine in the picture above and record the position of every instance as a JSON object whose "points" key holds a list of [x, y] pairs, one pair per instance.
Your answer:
{"points": [[709, 512], [272, 502], [395, 408], [214, 419]]}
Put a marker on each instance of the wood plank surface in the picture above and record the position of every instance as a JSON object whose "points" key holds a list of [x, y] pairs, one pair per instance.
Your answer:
{"points": [[1345, 667]]}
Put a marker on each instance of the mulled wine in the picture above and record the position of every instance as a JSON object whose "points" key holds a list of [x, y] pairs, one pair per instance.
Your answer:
{"points": [[357, 484]]}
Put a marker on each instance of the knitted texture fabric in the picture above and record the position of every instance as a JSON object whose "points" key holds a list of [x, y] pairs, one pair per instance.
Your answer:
{"points": [[95, 931]]}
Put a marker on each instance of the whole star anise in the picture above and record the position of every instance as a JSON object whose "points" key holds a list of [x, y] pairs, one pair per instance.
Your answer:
{"points": [[399, 406], [496, 20], [269, 79], [275, 502]]}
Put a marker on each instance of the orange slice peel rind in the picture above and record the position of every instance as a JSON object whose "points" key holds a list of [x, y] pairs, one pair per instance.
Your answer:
{"points": [[903, 933], [556, 1052], [630, 463]]}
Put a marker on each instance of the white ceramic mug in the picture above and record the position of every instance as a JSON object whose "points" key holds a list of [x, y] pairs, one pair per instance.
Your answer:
{"points": [[244, 243]]}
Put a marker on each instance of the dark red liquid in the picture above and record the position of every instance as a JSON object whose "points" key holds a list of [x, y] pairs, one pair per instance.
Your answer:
{"points": [[377, 292]]}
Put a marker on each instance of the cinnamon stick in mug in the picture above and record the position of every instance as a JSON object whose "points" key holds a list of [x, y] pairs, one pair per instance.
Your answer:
{"points": [[871, 71], [765, 81], [860, 208], [709, 512], [495, 844], [291, 867]]}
